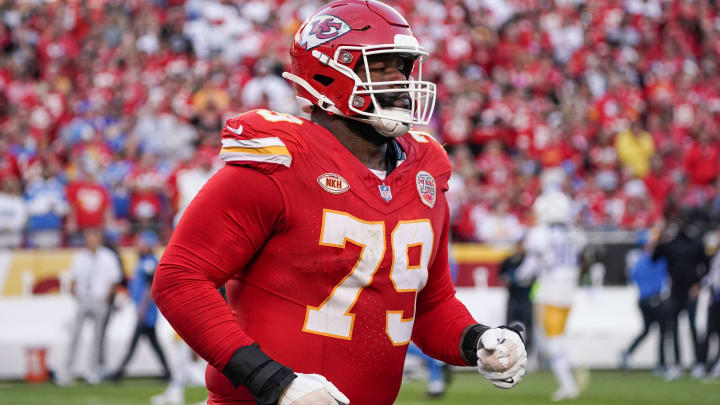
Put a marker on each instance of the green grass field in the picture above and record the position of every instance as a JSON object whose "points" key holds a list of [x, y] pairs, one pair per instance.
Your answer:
{"points": [[606, 387]]}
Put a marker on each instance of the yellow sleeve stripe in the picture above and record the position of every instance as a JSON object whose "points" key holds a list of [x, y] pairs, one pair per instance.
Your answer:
{"points": [[270, 150], [267, 150], [243, 156], [252, 142]]}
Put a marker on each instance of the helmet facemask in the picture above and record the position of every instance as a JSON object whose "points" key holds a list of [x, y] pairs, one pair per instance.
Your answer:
{"points": [[374, 102], [394, 105]]}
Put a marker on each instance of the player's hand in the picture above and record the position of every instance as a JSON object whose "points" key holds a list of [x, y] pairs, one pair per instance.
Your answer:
{"points": [[501, 356], [312, 389]]}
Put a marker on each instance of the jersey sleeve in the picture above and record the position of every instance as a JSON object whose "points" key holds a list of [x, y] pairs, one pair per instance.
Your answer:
{"points": [[222, 229], [261, 139], [441, 318]]}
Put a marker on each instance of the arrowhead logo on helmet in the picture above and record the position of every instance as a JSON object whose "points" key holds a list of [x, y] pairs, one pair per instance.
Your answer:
{"points": [[321, 29]]}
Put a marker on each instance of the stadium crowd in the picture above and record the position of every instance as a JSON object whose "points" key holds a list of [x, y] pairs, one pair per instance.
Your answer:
{"points": [[110, 111]]}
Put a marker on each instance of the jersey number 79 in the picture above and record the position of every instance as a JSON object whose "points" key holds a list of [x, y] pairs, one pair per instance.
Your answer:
{"points": [[333, 317]]}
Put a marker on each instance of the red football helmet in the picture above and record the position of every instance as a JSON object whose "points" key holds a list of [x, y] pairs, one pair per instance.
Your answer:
{"points": [[332, 42]]}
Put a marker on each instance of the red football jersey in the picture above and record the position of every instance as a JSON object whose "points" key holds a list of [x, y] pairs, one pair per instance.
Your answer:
{"points": [[329, 268]]}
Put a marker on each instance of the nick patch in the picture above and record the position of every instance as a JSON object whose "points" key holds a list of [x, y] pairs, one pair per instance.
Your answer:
{"points": [[322, 28], [385, 192], [333, 183], [426, 188]]}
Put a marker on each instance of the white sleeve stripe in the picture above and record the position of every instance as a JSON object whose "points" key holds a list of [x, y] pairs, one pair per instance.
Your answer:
{"points": [[253, 142], [284, 160]]}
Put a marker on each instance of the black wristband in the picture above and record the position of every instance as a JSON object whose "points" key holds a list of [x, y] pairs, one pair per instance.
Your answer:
{"points": [[472, 336], [469, 344], [265, 378]]}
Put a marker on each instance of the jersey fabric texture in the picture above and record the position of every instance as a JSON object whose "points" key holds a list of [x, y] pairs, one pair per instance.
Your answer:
{"points": [[330, 269]]}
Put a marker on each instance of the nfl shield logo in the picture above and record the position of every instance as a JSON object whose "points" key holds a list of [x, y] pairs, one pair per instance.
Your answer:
{"points": [[426, 188], [385, 192]]}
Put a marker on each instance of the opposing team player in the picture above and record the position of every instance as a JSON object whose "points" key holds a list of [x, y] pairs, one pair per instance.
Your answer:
{"points": [[330, 234], [552, 256]]}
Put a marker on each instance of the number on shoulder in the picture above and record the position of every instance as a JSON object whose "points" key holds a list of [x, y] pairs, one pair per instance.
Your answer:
{"points": [[274, 116]]}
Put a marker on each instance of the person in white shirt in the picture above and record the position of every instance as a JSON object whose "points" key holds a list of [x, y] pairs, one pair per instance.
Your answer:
{"points": [[95, 273]]}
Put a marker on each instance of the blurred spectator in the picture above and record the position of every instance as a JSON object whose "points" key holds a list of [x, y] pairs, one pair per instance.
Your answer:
{"points": [[494, 165], [519, 304], [702, 160], [712, 281], [659, 182], [687, 263], [438, 372], [47, 206], [158, 131], [715, 203], [635, 148], [147, 203], [267, 90], [95, 272], [187, 181], [89, 205], [9, 167], [147, 312], [13, 213], [652, 281], [639, 211], [498, 228]]}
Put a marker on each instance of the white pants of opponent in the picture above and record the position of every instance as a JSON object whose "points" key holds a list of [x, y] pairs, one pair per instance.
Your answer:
{"points": [[96, 310]]}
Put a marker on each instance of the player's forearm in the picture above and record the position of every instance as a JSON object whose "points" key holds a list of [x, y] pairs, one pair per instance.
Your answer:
{"points": [[439, 331], [198, 313]]}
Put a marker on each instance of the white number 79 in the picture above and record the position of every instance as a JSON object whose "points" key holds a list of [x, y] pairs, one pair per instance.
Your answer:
{"points": [[333, 317]]}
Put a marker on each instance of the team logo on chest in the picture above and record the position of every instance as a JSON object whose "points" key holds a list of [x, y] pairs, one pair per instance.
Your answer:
{"points": [[426, 188], [333, 183], [385, 192]]}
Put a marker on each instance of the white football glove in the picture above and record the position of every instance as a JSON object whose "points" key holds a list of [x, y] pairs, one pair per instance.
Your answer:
{"points": [[312, 389], [501, 357]]}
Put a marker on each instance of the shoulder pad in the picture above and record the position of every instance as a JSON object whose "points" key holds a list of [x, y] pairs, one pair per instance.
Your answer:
{"points": [[260, 139]]}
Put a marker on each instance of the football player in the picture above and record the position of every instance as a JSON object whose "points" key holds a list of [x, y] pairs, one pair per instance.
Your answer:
{"points": [[552, 256], [331, 234]]}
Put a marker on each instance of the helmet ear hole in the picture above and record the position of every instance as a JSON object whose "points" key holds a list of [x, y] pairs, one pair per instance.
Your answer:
{"points": [[324, 80]]}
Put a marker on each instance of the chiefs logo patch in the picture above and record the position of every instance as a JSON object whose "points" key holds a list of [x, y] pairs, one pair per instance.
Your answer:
{"points": [[321, 29], [333, 183], [426, 188]]}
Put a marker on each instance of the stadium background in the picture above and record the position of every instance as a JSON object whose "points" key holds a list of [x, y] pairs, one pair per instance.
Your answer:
{"points": [[105, 106]]}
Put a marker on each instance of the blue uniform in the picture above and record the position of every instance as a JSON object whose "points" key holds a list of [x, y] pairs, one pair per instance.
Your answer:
{"points": [[140, 284]]}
